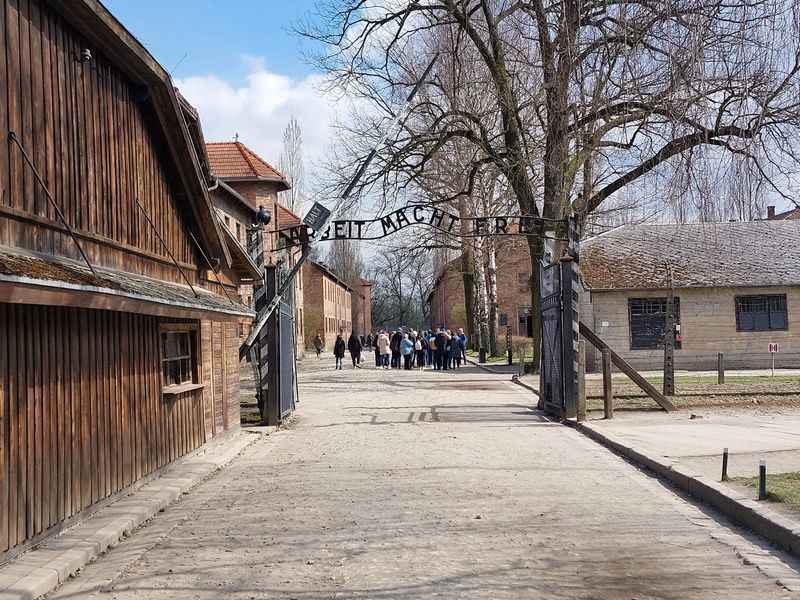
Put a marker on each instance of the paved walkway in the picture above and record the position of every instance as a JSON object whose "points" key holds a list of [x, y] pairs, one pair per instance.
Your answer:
{"points": [[749, 437], [395, 485]]}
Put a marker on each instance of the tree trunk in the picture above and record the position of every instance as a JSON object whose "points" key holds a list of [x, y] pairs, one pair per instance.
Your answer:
{"points": [[536, 249], [491, 285], [480, 288], [467, 275]]}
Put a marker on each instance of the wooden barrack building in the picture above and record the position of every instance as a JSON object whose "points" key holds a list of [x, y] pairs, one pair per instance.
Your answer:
{"points": [[118, 345]]}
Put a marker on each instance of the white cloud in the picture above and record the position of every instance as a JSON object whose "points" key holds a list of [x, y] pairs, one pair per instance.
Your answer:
{"points": [[260, 109]]}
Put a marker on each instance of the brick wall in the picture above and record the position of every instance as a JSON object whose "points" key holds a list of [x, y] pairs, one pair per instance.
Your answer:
{"points": [[708, 326], [327, 306], [513, 291], [362, 308]]}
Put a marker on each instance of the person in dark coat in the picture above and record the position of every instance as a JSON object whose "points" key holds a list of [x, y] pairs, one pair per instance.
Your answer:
{"points": [[354, 347], [394, 346], [420, 348], [338, 350], [318, 345], [455, 352], [441, 355]]}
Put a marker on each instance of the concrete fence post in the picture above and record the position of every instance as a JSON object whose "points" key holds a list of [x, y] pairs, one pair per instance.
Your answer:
{"points": [[720, 368]]}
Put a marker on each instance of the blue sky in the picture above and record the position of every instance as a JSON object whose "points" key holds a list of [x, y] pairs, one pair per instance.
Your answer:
{"points": [[243, 68], [215, 34]]}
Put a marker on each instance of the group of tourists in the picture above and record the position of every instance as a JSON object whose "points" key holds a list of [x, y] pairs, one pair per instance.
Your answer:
{"points": [[441, 349]]}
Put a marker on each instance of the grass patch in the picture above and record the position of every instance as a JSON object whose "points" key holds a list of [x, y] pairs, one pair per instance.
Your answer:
{"points": [[498, 358], [250, 418], [781, 487]]}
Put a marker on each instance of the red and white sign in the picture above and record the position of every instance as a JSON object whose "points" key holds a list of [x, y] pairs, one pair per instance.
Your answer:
{"points": [[773, 347]]}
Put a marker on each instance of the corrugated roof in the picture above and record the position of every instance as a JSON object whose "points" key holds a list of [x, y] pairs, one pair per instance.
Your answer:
{"points": [[738, 254], [21, 267], [234, 160]]}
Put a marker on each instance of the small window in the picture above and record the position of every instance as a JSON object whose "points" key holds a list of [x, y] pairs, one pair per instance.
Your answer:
{"points": [[503, 319], [647, 319], [227, 221], [178, 353], [238, 231], [761, 313]]}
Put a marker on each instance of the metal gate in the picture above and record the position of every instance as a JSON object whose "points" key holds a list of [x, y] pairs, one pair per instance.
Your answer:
{"points": [[558, 298], [286, 359]]}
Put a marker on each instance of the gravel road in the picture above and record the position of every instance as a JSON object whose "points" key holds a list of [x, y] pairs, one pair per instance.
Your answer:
{"points": [[391, 484]]}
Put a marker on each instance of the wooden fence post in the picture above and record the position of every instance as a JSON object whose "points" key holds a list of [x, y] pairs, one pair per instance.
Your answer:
{"points": [[720, 368], [581, 416], [608, 393]]}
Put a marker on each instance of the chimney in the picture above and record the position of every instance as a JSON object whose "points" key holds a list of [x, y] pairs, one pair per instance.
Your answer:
{"points": [[770, 212]]}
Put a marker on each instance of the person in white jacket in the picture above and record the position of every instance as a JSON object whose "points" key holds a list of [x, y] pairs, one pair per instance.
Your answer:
{"points": [[383, 347]]}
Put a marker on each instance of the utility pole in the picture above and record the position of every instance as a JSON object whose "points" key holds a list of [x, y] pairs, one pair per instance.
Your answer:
{"points": [[669, 338]]}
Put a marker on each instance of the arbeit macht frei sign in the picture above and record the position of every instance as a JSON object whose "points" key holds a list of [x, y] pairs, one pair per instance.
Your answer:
{"points": [[420, 215]]}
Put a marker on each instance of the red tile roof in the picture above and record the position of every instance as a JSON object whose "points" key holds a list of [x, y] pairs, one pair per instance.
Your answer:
{"points": [[286, 218], [234, 160], [788, 215]]}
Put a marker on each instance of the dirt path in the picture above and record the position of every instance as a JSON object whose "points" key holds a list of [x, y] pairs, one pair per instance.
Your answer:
{"points": [[393, 485]]}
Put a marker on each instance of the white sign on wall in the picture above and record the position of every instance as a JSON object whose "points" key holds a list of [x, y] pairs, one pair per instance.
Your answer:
{"points": [[773, 347]]}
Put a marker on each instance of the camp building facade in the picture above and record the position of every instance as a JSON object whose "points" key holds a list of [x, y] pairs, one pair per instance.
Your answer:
{"points": [[118, 345]]}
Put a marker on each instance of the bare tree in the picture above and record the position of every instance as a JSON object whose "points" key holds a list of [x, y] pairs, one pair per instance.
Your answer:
{"points": [[344, 259], [292, 166], [402, 282], [579, 100]]}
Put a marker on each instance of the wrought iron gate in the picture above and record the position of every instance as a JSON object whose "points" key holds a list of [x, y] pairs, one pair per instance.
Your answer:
{"points": [[286, 360], [558, 298]]}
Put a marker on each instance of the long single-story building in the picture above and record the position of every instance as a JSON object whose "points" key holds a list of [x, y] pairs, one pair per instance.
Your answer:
{"points": [[736, 288]]}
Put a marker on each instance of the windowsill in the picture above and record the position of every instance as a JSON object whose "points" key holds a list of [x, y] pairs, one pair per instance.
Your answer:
{"points": [[172, 390]]}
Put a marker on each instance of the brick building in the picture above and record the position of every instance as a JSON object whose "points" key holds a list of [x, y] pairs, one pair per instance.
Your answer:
{"points": [[328, 304], [362, 306], [787, 215], [447, 306], [247, 182], [737, 288]]}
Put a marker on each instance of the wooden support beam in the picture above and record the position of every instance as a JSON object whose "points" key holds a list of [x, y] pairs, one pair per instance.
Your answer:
{"points": [[626, 368], [608, 390]]}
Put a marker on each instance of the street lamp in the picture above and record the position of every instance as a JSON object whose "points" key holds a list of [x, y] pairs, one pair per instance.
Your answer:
{"points": [[263, 216]]}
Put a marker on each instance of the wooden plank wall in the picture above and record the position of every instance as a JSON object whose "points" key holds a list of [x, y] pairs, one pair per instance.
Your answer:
{"points": [[94, 138], [81, 410]]}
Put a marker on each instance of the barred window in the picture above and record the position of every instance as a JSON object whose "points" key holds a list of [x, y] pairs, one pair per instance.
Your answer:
{"points": [[761, 313], [647, 319]]}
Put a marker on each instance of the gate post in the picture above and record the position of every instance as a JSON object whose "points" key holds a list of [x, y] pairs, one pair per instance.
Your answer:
{"points": [[272, 409], [258, 354], [569, 337]]}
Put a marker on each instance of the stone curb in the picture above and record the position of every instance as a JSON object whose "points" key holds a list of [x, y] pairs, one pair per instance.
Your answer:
{"points": [[518, 381], [767, 523], [42, 569]]}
